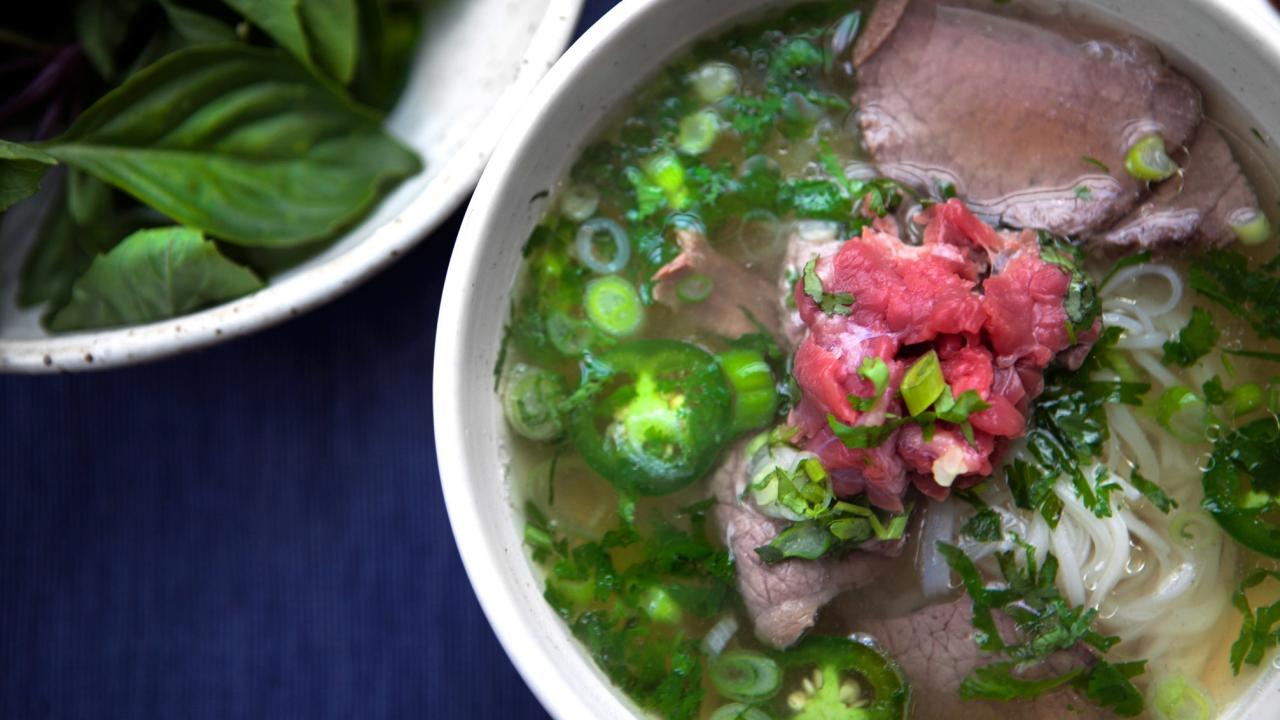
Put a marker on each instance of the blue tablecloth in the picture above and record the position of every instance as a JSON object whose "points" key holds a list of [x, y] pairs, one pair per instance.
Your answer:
{"points": [[254, 531]]}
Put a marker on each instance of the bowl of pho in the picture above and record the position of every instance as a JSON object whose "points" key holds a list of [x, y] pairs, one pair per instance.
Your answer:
{"points": [[896, 359]]}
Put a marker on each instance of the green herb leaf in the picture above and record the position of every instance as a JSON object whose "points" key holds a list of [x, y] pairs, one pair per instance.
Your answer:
{"points": [[865, 436], [1096, 163], [829, 303], [196, 27], [1249, 292], [240, 143], [1193, 341], [1152, 492], [808, 540], [1081, 303], [1135, 259], [985, 526], [153, 275], [875, 371], [1000, 681], [1258, 634], [21, 169], [333, 33], [101, 27], [1046, 625]]}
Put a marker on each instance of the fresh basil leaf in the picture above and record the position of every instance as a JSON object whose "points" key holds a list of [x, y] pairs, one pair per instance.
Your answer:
{"points": [[21, 169], [388, 37], [101, 27], [333, 35], [238, 142], [279, 19], [196, 27], [153, 275], [1193, 341]]}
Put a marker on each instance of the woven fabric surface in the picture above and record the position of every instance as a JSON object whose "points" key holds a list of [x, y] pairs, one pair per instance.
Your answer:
{"points": [[253, 531]]}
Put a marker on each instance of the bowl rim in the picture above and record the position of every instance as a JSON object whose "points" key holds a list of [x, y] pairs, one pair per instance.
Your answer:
{"points": [[291, 296], [482, 553]]}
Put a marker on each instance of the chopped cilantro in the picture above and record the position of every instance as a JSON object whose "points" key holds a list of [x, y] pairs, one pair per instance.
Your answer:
{"points": [[830, 303], [1096, 163], [984, 526], [1135, 259], [1153, 492], [1046, 625], [1259, 633], [1084, 193], [875, 371], [604, 600], [1081, 303], [1193, 341], [1069, 427], [1258, 134], [947, 408], [1253, 294]]}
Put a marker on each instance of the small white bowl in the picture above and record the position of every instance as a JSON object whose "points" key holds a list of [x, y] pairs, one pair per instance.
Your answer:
{"points": [[477, 62], [1235, 41]]}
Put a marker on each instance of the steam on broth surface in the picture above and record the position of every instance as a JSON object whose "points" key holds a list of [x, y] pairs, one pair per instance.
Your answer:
{"points": [[846, 391]]}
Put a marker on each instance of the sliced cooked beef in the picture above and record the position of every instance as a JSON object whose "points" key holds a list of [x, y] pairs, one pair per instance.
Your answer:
{"points": [[1007, 110], [736, 292], [935, 648], [782, 600], [1198, 208], [987, 302]]}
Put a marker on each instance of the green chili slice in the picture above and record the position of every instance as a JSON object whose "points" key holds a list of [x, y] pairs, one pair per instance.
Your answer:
{"points": [[755, 393], [651, 416]]}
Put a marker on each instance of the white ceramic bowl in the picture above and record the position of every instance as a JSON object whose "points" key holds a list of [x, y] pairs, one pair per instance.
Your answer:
{"points": [[477, 62], [1237, 42]]}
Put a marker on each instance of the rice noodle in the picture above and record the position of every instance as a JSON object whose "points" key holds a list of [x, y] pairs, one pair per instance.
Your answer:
{"points": [[1165, 598]]}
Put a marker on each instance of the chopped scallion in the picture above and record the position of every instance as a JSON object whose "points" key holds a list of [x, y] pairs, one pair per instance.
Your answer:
{"points": [[603, 246], [923, 383], [1147, 159], [1184, 413], [613, 305], [746, 676], [1253, 229], [698, 132], [1176, 698]]}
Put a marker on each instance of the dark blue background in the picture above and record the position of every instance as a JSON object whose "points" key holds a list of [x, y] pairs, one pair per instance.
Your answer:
{"points": [[255, 531]]}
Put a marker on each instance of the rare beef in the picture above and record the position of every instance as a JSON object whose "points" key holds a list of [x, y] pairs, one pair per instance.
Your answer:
{"points": [[1008, 110], [1197, 208], [987, 302], [782, 600], [936, 650], [737, 291]]}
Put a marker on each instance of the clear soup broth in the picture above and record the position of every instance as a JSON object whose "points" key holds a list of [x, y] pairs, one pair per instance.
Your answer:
{"points": [[823, 408]]}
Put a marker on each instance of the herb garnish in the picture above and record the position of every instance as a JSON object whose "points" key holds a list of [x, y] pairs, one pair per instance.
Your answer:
{"points": [[1045, 625], [1193, 341], [628, 619], [830, 303], [947, 408], [1096, 163], [1152, 491], [1259, 633], [1069, 427], [1081, 303], [1253, 294], [876, 371]]}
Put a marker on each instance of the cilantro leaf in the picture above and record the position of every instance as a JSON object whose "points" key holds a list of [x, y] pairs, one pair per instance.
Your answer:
{"points": [[1225, 277], [985, 526], [1258, 634], [829, 303], [875, 371], [1046, 625], [1153, 492], [1193, 341], [1136, 259]]}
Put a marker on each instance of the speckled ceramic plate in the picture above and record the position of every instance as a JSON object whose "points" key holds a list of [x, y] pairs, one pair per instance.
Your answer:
{"points": [[476, 65]]}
